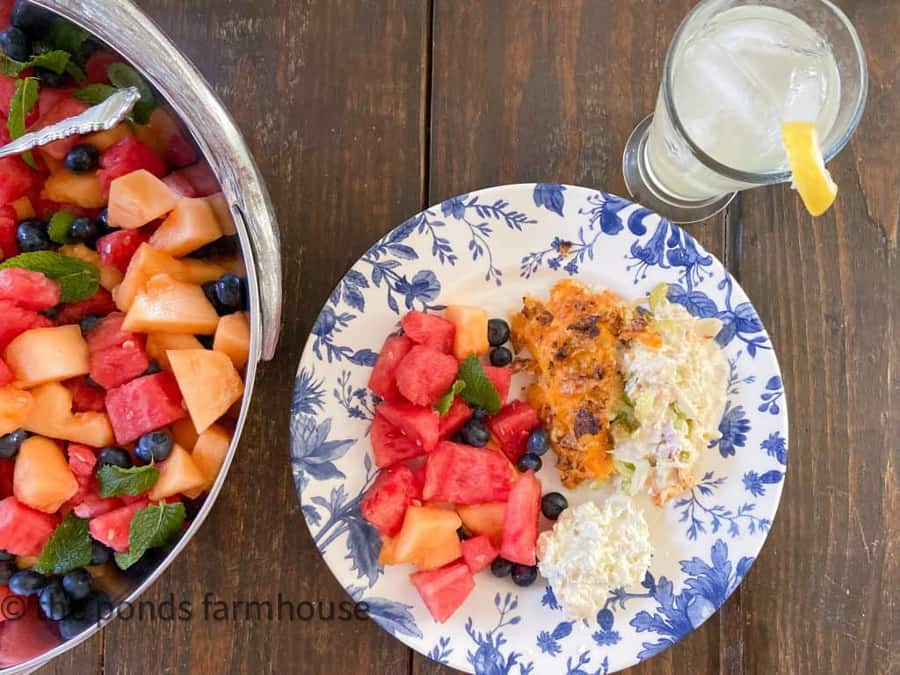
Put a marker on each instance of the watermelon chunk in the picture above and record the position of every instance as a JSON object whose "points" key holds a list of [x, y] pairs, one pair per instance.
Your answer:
{"points": [[92, 505], [85, 396], [453, 420], [385, 502], [117, 356], [9, 221], [512, 426], [465, 475], [63, 109], [429, 330], [99, 304], [444, 590], [16, 179], [500, 378], [113, 528], [82, 460], [7, 473], [389, 445], [203, 179], [425, 374], [520, 528], [117, 248], [126, 156], [145, 404], [478, 553], [28, 290], [23, 530], [96, 66], [382, 381], [14, 321], [484, 519], [419, 424], [28, 637], [6, 375], [179, 185]]}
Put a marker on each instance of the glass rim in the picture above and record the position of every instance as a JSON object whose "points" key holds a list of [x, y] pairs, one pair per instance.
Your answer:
{"points": [[764, 178]]}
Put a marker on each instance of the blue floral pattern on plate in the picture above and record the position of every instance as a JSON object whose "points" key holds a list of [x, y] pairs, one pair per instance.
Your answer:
{"points": [[490, 247]]}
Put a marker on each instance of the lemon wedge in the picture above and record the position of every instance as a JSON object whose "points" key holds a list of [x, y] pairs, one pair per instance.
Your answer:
{"points": [[811, 179]]}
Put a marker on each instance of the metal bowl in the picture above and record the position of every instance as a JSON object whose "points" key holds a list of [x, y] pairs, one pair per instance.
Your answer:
{"points": [[127, 30]]}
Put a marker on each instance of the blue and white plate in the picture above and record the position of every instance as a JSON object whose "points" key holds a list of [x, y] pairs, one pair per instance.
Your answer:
{"points": [[490, 248]]}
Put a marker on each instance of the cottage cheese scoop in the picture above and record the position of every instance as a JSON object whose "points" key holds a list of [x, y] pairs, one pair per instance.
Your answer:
{"points": [[592, 549]]}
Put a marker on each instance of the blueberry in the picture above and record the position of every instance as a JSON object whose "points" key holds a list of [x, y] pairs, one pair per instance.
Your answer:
{"points": [[529, 462], [114, 456], [34, 20], [501, 567], [553, 504], [209, 289], [475, 433], [27, 582], [538, 442], [479, 413], [462, 533], [152, 368], [100, 554], [71, 626], [15, 44], [88, 322], [85, 614], [78, 584], [102, 221], [524, 575], [206, 340], [7, 569], [228, 292], [50, 79], [6, 555], [154, 447], [223, 246], [50, 312], [11, 442], [498, 332], [55, 604], [501, 356], [83, 230], [31, 235], [83, 157]]}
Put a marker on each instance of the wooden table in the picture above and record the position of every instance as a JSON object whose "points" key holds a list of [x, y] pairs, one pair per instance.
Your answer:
{"points": [[362, 112]]}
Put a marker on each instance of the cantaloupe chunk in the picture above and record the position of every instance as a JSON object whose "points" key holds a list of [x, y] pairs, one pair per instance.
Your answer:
{"points": [[209, 384], [428, 537], [24, 208], [484, 519], [104, 139], [148, 262], [49, 354], [138, 198], [110, 277], [233, 338], [184, 433], [471, 330], [169, 306], [388, 553], [50, 414], [223, 214], [159, 343], [42, 478], [209, 455], [14, 406], [190, 225], [149, 135], [77, 189], [176, 475]]}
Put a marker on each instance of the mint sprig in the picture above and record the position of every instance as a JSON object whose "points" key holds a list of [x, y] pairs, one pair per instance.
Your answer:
{"points": [[446, 402], [68, 548], [23, 100], [134, 481], [478, 390], [79, 279], [151, 527], [122, 75], [95, 93], [58, 228], [56, 60], [66, 36]]}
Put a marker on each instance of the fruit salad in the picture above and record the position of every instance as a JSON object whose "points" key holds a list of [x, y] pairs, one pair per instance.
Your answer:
{"points": [[123, 334], [457, 491]]}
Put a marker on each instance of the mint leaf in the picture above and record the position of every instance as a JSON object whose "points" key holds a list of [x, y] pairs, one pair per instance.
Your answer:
{"points": [[447, 399], [57, 61], [11, 68], [76, 72], [67, 36], [20, 105], [114, 480], [95, 93], [68, 548], [122, 75], [479, 390], [79, 279], [152, 526], [58, 231]]}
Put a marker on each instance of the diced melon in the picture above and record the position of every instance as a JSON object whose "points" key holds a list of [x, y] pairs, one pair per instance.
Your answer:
{"points": [[200, 271], [190, 225], [388, 553], [184, 433], [15, 404], [169, 306], [42, 478], [77, 189], [51, 415], [233, 338], [428, 537], [148, 262], [223, 214], [151, 137], [138, 198], [104, 139], [484, 519], [159, 343], [110, 277], [49, 354], [177, 474], [471, 330], [24, 208], [209, 384], [209, 455]]}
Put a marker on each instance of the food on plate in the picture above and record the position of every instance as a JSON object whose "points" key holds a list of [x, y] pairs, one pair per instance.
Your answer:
{"points": [[592, 549], [449, 499], [117, 261], [676, 392]]}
